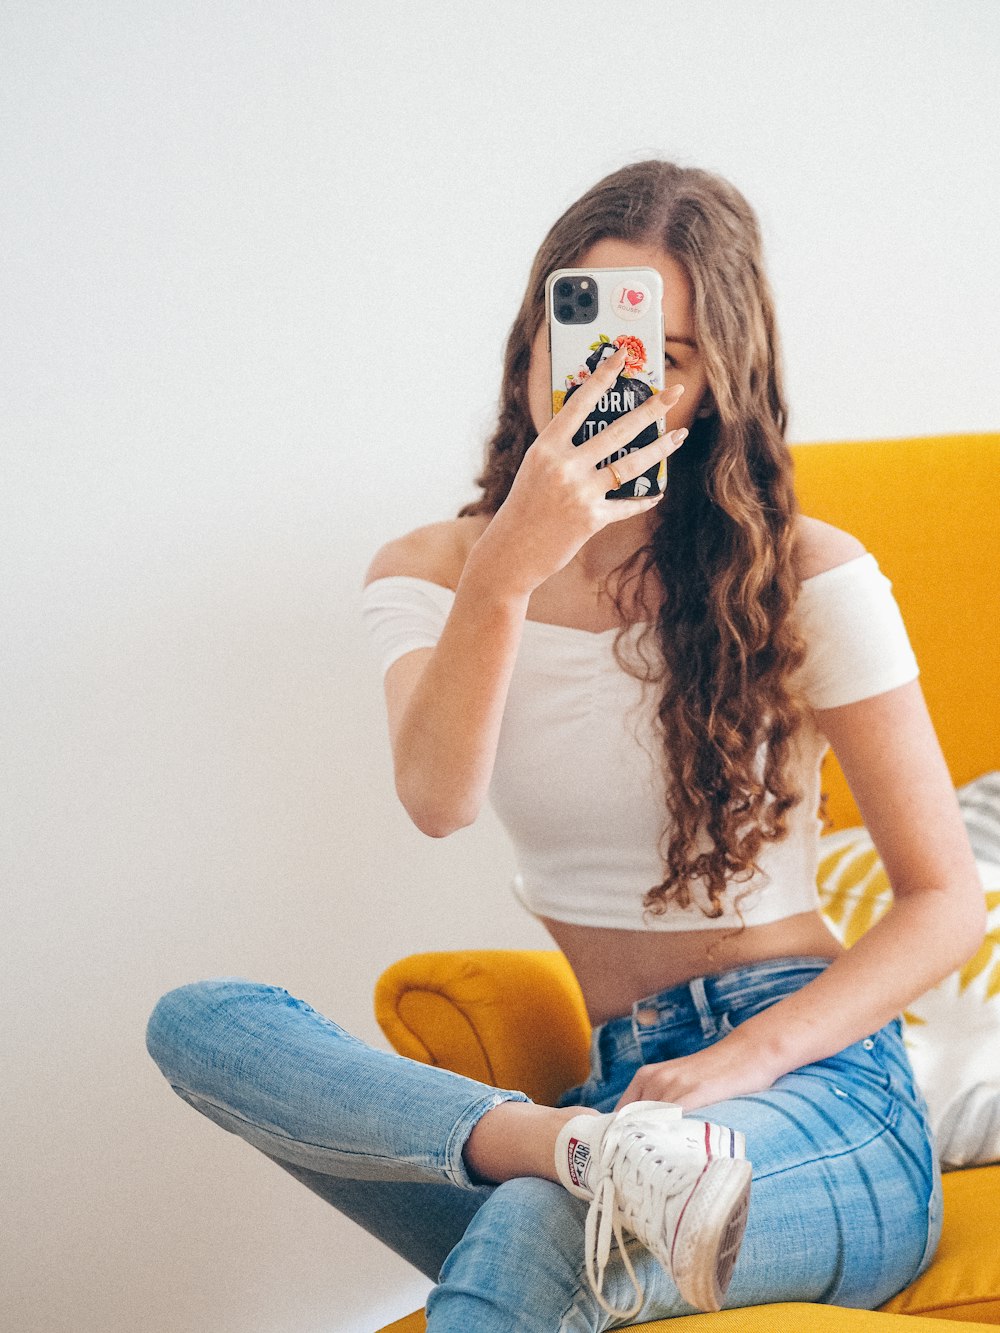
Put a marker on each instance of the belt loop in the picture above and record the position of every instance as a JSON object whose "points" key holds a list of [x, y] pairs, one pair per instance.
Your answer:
{"points": [[634, 1023], [596, 1054], [709, 1027], [640, 1031]]}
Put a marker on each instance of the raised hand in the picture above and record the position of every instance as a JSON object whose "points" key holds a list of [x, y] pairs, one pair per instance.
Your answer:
{"points": [[558, 499]]}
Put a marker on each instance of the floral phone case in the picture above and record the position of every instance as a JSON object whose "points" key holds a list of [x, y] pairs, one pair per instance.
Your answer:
{"points": [[591, 313]]}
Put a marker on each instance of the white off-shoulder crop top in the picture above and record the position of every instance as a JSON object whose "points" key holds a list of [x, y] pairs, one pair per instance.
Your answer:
{"points": [[580, 772]]}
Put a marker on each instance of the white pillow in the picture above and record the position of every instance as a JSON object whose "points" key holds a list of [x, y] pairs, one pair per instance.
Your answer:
{"points": [[952, 1032]]}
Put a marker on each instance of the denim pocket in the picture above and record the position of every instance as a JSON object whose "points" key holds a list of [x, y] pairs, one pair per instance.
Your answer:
{"points": [[862, 1077], [739, 1011], [733, 1017]]}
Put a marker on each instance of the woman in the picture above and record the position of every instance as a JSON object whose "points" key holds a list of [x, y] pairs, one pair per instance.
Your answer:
{"points": [[645, 689]]}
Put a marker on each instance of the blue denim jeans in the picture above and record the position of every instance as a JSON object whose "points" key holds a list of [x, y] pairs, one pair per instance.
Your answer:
{"points": [[846, 1196]]}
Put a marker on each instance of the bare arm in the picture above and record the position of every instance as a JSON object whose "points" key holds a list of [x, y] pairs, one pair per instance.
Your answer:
{"points": [[446, 703], [890, 755], [893, 763]]}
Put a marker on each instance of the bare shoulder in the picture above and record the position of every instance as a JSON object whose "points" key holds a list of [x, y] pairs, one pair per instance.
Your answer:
{"points": [[820, 546], [436, 552]]}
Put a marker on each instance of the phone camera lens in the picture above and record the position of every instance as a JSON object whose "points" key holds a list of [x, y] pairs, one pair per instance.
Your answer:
{"points": [[575, 299]]}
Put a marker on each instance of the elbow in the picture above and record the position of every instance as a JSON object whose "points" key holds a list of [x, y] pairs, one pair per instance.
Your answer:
{"points": [[956, 920], [436, 824], [432, 815], [967, 926], [435, 829], [977, 923]]}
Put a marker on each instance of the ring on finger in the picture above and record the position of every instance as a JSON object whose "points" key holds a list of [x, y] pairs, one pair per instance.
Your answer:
{"points": [[614, 472]]}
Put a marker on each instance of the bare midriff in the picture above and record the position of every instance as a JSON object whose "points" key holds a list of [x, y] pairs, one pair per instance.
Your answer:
{"points": [[615, 968]]}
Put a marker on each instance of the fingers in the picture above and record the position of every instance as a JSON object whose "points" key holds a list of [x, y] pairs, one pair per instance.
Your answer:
{"points": [[629, 506], [576, 409], [613, 442], [632, 1093], [637, 462], [622, 432]]}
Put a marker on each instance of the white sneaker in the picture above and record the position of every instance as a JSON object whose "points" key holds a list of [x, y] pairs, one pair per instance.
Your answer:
{"points": [[681, 1186]]}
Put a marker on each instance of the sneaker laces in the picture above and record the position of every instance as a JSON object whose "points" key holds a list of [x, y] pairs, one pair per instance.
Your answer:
{"points": [[629, 1160]]}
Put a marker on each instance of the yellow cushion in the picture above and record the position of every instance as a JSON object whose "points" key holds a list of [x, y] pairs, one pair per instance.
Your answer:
{"points": [[961, 1286], [791, 1318], [513, 1018], [963, 1282]]}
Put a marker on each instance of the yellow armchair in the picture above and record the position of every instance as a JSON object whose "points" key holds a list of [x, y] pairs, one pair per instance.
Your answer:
{"points": [[928, 510]]}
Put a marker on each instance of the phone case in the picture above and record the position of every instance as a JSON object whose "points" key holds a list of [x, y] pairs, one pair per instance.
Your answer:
{"points": [[608, 308]]}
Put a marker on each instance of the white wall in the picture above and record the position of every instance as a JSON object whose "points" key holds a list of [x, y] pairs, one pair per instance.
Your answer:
{"points": [[260, 261]]}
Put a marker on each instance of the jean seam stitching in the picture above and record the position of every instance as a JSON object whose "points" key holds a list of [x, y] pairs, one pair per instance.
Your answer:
{"points": [[830, 1156], [453, 1165], [445, 1167], [573, 1304], [583, 1291], [278, 1133]]}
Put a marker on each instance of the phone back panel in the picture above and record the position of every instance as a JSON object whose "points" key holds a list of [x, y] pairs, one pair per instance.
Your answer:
{"points": [[590, 313]]}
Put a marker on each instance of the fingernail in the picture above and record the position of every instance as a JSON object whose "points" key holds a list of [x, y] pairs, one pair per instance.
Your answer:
{"points": [[672, 394], [678, 436]]}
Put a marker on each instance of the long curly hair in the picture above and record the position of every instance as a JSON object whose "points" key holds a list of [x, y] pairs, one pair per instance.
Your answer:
{"points": [[724, 533]]}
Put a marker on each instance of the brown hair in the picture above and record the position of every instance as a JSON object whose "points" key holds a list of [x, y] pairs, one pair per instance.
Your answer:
{"points": [[724, 535]]}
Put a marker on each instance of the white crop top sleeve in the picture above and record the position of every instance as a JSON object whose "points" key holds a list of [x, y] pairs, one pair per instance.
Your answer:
{"points": [[402, 613], [857, 642], [580, 778]]}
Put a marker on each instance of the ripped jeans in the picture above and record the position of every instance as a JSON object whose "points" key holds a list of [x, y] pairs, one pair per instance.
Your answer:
{"points": [[846, 1197]]}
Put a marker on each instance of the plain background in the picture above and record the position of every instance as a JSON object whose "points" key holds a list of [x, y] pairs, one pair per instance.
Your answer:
{"points": [[259, 263]]}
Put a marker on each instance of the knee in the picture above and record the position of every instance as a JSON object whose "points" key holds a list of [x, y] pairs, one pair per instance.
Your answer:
{"points": [[522, 1261], [528, 1206], [186, 1023], [521, 1254]]}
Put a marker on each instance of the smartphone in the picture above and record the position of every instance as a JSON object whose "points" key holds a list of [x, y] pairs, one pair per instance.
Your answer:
{"points": [[591, 313]]}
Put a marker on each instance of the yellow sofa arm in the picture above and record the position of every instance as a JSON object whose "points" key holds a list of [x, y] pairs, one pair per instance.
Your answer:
{"points": [[790, 1318], [516, 1019], [511, 1018]]}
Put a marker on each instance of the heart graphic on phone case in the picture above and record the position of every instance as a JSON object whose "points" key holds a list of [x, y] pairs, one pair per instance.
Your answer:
{"points": [[633, 298]]}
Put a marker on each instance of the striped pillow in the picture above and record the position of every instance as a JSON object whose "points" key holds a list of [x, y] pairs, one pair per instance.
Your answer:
{"points": [[979, 801], [952, 1032]]}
